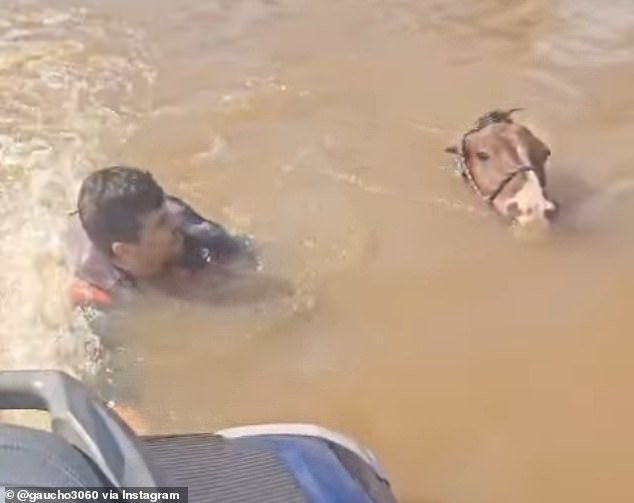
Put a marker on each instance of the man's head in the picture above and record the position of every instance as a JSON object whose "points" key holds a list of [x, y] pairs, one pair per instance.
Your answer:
{"points": [[122, 210]]}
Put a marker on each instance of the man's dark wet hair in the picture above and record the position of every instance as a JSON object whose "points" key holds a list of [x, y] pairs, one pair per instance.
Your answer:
{"points": [[112, 203]]}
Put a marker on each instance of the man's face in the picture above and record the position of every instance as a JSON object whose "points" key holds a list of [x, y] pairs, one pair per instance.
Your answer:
{"points": [[160, 243]]}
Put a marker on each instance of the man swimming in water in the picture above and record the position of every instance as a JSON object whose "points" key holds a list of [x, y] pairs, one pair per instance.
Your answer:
{"points": [[127, 237]]}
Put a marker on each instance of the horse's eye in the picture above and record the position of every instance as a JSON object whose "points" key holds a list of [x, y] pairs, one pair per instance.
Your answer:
{"points": [[483, 156], [548, 152]]}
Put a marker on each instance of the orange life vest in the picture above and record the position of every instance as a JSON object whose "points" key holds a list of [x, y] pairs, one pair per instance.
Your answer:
{"points": [[82, 293]]}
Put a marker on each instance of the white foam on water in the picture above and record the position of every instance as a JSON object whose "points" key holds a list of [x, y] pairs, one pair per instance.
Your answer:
{"points": [[72, 87]]}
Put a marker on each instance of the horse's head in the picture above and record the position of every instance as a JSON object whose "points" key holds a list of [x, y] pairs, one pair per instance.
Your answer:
{"points": [[506, 164]]}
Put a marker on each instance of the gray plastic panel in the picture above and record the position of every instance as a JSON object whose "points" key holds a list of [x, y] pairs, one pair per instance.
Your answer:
{"points": [[81, 420]]}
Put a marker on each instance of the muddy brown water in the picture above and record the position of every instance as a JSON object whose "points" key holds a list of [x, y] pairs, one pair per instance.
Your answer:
{"points": [[477, 367]]}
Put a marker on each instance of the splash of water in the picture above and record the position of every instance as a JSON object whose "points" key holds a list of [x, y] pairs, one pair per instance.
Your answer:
{"points": [[72, 87]]}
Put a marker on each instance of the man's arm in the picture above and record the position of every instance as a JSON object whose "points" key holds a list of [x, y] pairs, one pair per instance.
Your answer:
{"points": [[223, 246], [231, 276]]}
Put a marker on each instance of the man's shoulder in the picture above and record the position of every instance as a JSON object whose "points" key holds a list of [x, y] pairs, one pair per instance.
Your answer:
{"points": [[86, 262]]}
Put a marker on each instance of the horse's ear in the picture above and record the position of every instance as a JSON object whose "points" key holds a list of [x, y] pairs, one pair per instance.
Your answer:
{"points": [[511, 111], [452, 149]]}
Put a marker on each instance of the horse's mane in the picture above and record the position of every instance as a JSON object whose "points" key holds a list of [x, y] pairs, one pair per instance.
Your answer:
{"points": [[495, 117]]}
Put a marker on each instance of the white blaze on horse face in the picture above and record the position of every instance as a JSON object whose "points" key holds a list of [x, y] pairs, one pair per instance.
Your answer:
{"points": [[529, 204]]}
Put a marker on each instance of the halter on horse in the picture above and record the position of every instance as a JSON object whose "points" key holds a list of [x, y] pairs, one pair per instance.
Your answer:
{"points": [[512, 160]]}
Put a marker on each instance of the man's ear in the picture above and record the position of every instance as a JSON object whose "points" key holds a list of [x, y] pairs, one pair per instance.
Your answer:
{"points": [[121, 250], [452, 149]]}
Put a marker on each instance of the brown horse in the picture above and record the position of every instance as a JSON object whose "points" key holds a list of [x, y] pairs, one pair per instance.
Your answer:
{"points": [[505, 163]]}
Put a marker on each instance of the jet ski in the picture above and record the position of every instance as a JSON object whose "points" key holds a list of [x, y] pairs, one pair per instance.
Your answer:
{"points": [[89, 446]]}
